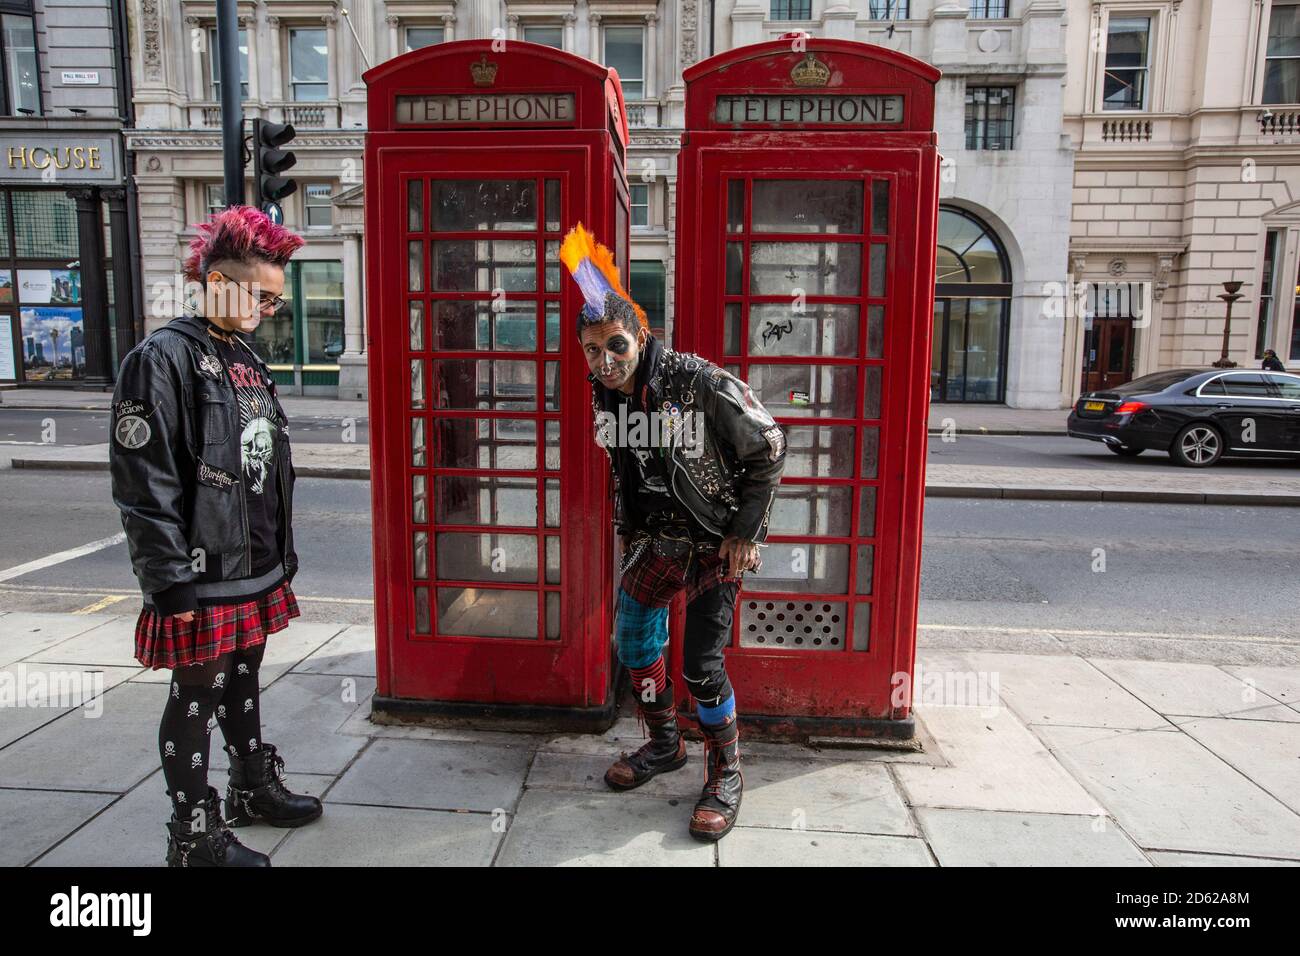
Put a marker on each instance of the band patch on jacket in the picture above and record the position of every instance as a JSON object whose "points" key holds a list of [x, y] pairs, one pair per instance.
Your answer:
{"points": [[210, 366], [215, 477], [130, 430], [775, 438]]}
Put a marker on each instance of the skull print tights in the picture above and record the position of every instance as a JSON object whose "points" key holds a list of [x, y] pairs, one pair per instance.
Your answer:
{"points": [[226, 688]]}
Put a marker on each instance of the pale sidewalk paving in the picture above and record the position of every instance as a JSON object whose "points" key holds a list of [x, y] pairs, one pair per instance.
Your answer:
{"points": [[1075, 760]]}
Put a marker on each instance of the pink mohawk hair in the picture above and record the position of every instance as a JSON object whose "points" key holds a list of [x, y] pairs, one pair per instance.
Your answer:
{"points": [[239, 234]]}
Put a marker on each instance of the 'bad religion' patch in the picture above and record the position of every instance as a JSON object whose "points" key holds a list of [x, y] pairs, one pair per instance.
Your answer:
{"points": [[130, 430], [215, 477]]}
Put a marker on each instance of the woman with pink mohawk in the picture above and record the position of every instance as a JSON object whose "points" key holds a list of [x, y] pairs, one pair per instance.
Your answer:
{"points": [[202, 473]]}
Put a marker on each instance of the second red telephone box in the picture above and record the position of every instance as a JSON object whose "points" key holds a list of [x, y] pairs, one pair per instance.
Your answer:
{"points": [[807, 206]]}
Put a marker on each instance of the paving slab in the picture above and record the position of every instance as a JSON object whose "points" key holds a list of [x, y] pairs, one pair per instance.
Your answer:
{"points": [[388, 836], [750, 846], [1193, 690], [435, 775], [1160, 858], [1266, 752], [985, 838], [107, 754], [48, 691], [1063, 690], [555, 828], [34, 820], [133, 831], [110, 644], [23, 633], [1280, 683], [1170, 793], [996, 764], [817, 795], [301, 714], [352, 652]]}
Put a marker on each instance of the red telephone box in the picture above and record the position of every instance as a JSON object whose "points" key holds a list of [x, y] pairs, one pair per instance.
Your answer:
{"points": [[490, 503], [806, 207]]}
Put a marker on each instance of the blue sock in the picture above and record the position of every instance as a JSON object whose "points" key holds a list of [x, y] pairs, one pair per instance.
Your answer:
{"points": [[716, 715]]}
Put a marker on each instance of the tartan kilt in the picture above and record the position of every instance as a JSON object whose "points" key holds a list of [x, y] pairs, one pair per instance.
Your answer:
{"points": [[654, 580], [217, 629]]}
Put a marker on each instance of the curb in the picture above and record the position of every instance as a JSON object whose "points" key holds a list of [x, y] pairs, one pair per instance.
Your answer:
{"points": [[1003, 492], [981, 430]]}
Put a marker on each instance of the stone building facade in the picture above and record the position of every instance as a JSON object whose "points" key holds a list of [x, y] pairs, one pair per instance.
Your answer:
{"points": [[1006, 189], [1186, 126]]}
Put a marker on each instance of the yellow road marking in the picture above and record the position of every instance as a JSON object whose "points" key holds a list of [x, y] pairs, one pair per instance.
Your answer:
{"points": [[101, 604]]}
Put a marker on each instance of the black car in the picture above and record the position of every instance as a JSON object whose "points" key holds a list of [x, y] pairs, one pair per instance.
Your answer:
{"points": [[1196, 415]]}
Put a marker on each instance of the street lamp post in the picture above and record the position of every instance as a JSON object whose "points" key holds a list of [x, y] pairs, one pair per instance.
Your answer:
{"points": [[1230, 294]]}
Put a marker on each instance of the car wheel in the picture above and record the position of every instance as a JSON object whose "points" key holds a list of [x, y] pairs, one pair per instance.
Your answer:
{"points": [[1197, 446], [1125, 451]]}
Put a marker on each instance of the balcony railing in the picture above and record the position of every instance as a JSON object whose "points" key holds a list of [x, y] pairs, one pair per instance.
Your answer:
{"points": [[1126, 131], [301, 115], [1279, 122]]}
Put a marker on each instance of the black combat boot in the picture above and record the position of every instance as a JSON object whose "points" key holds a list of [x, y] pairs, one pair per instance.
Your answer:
{"points": [[664, 751], [257, 794], [205, 839], [719, 804]]}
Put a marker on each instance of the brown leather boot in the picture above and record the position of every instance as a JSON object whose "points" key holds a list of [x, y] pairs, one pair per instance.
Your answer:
{"points": [[719, 804], [663, 752]]}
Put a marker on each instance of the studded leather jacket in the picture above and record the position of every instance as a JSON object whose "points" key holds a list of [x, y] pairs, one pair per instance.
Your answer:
{"points": [[725, 453], [175, 457]]}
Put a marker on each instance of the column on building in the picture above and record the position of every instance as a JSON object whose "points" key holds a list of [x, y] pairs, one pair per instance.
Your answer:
{"points": [[352, 363]]}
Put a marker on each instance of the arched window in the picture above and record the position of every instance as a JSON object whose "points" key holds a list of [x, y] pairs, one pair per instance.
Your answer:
{"points": [[972, 307]]}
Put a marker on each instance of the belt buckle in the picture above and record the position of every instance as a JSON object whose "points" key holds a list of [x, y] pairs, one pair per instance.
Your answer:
{"points": [[673, 544]]}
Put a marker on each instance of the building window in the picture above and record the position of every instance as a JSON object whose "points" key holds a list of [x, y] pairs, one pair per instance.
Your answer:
{"points": [[546, 35], [640, 204], [625, 52], [214, 64], [791, 9], [307, 330], [989, 9], [1127, 41], [889, 10], [648, 291], [972, 309], [1282, 55], [320, 211], [990, 117], [20, 71], [417, 38], [308, 65], [215, 194], [1267, 292]]}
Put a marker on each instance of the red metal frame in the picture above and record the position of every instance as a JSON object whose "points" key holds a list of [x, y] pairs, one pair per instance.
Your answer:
{"points": [[842, 689], [572, 670]]}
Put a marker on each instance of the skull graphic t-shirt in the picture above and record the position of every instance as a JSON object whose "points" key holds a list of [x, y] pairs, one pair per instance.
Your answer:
{"points": [[261, 433]]}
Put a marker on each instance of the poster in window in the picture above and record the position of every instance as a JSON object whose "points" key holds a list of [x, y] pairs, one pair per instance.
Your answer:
{"points": [[6, 288], [53, 344], [7, 372], [57, 286]]}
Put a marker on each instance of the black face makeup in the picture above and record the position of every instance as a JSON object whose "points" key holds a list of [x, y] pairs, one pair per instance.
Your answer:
{"points": [[612, 354]]}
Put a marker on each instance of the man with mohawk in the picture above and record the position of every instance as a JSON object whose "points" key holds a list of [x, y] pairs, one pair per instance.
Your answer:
{"points": [[694, 485]]}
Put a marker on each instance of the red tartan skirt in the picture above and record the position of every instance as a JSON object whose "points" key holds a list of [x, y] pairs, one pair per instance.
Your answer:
{"points": [[219, 629]]}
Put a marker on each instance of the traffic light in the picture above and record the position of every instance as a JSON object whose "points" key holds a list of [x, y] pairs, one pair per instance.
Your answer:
{"points": [[269, 161]]}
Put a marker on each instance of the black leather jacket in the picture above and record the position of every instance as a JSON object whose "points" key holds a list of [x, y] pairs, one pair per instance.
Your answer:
{"points": [[175, 459], [729, 477]]}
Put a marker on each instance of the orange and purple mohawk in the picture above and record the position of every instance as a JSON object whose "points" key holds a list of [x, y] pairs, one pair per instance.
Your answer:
{"points": [[592, 267]]}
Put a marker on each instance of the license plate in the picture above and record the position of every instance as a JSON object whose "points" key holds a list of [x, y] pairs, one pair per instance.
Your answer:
{"points": [[1093, 406]]}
